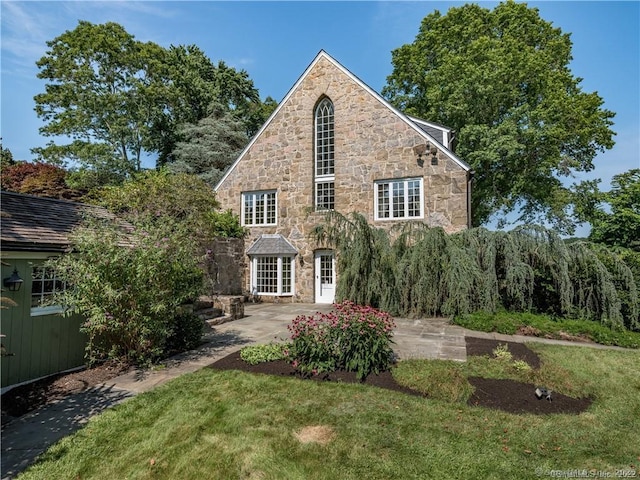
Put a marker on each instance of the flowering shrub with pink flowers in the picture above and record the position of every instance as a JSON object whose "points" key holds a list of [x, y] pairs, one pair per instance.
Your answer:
{"points": [[352, 337]]}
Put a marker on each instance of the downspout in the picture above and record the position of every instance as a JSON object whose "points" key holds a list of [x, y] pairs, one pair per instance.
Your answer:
{"points": [[470, 174]]}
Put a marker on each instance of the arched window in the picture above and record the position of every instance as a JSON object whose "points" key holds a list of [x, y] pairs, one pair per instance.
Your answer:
{"points": [[324, 175]]}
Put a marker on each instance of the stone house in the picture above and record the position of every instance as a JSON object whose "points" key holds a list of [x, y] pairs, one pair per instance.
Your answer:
{"points": [[335, 144]]}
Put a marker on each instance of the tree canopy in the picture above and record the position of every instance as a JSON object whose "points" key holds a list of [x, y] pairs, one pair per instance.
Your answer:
{"points": [[501, 79], [116, 101], [210, 146], [614, 215]]}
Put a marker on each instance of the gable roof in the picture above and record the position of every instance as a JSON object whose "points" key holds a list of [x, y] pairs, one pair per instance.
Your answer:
{"points": [[411, 122], [271, 244], [30, 223]]}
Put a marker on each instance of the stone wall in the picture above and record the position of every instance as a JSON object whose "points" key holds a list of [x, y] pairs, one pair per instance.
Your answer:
{"points": [[225, 266], [371, 143]]}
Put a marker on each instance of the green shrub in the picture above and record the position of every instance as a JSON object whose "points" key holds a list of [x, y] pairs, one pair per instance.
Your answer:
{"points": [[129, 284], [352, 337], [266, 352], [186, 332]]}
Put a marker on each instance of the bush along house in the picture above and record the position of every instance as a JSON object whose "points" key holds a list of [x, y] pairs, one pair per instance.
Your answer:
{"points": [[335, 144], [37, 340]]}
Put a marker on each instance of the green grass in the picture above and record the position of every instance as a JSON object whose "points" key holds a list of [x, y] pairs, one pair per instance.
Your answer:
{"points": [[510, 322], [229, 425]]}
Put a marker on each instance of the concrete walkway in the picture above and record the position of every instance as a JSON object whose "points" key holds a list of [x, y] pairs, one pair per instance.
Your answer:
{"points": [[27, 437]]}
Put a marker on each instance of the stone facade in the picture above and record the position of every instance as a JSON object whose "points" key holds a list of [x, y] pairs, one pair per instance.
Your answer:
{"points": [[225, 266], [372, 142]]}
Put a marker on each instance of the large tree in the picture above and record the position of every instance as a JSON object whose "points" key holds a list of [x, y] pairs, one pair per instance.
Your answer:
{"points": [[210, 146], [501, 79], [614, 215], [101, 94], [118, 100], [196, 86]]}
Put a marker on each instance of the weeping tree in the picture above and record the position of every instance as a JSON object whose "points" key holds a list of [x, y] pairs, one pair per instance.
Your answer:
{"points": [[415, 270]]}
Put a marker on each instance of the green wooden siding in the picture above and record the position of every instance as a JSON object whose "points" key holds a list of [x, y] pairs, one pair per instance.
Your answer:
{"points": [[41, 345]]}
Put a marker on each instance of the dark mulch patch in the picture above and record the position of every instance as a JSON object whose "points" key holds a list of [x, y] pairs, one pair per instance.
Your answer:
{"points": [[510, 395], [485, 346], [282, 368], [26, 398], [517, 397]]}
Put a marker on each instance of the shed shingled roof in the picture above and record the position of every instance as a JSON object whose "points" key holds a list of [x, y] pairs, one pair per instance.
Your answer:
{"points": [[31, 223], [272, 244]]}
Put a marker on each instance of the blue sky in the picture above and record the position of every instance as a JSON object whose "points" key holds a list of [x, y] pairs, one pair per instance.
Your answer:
{"points": [[275, 41]]}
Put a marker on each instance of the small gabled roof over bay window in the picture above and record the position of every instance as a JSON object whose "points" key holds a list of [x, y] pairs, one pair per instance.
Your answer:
{"points": [[272, 244], [272, 266]]}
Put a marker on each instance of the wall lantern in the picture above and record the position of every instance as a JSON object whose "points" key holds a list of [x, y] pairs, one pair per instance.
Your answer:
{"points": [[434, 156], [14, 282], [421, 150]]}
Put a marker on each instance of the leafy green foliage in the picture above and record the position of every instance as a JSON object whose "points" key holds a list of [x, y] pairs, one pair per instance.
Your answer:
{"points": [[119, 100], [352, 337], [129, 286], [546, 326], [425, 272], [154, 195], [501, 79], [619, 224], [265, 352], [101, 93]]}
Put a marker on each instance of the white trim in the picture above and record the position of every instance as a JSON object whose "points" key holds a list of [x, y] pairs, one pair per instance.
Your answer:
{"points": [[406, 199], [324, 55], [254, 193], [4, 390], [254, 275], [50, 310]]}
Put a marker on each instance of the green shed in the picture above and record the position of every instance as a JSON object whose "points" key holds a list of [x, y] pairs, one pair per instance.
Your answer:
{"points": [[37, 340]]}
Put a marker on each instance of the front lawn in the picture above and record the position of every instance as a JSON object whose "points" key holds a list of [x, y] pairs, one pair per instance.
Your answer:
{"points": [[228, 424]]}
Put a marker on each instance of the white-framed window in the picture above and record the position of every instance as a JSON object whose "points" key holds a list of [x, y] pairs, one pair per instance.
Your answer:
{"points": [[44, 284], [399, 199], [259, 208], [324, 171], [273, 274]]}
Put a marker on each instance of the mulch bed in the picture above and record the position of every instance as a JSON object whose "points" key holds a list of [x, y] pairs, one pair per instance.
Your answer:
{"points": [[26, 398], [517, 397], [510, 395], [501, 394], [282, 368], [485, 346]]}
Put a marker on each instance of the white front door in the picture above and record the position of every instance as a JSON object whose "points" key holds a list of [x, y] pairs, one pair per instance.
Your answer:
{"points": [[325, 270]]}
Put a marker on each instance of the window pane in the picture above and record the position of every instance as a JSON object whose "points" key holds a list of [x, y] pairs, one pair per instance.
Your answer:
{"points": [[44, 283], [248, 209], [271, 207], [286, 275], [383, 200], [324, 139], [267, 274], [325, 197], [326, 269], [398, 199], [259, 209], [413, 187]]}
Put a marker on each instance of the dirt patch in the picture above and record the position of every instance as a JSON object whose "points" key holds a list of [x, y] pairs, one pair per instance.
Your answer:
{"points": [[321, 434], [517, 397], [510, 395], [519, 351], [26, 398]]}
